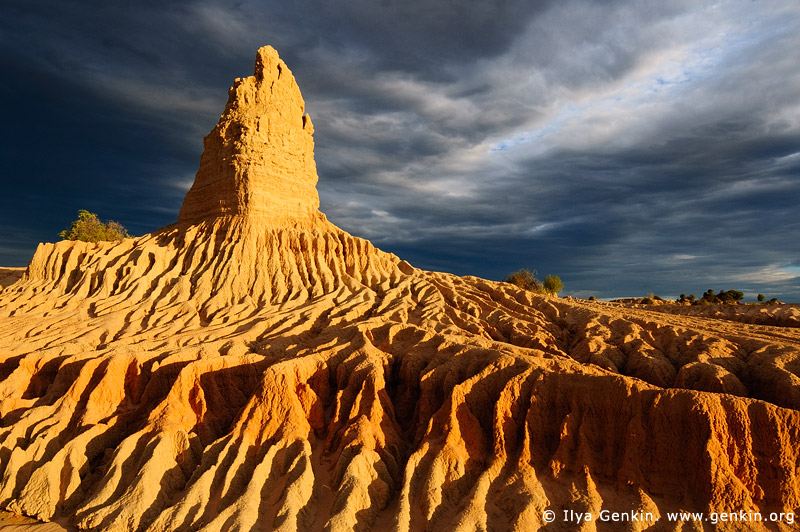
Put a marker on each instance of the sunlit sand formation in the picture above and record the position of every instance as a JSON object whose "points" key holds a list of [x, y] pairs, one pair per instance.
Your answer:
{"points": [[253, 367]]}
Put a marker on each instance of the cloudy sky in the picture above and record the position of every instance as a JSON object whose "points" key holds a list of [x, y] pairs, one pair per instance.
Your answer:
{"points": [[626, 146]]}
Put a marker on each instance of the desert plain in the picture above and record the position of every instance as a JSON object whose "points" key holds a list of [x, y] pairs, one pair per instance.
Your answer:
{"points": [[254, 367]]}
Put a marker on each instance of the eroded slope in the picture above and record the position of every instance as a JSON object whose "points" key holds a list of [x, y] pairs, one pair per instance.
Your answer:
{"points": [[264, 370]]}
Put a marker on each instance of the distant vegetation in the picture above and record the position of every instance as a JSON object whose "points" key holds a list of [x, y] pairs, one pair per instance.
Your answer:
{"points": [[89, 228], [710, 298], [651, 299], [723, 297], [526, 279], [729, 297]]}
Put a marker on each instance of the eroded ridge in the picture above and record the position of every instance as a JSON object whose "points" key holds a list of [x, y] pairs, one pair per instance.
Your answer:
{"points": [[431, 402], [249, 372]]}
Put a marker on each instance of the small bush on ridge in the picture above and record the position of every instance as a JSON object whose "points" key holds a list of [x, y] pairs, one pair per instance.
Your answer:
{"points": [[553, 284], [89, 228], [526, 280]]}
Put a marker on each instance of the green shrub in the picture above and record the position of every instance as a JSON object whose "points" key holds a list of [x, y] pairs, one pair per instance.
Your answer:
{"points": [[89, 228], [761, 298], [553, 284], [526, 280], [709, 296], [730, 296]]}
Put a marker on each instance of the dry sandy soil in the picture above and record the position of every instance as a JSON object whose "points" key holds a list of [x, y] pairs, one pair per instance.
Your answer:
{"points": [[774, 315], [10, 276], [253, 367], [15, 523]]}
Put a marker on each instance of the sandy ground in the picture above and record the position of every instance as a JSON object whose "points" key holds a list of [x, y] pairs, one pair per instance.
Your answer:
{"points": [[771, 315], [10, 276], [15, 523]]}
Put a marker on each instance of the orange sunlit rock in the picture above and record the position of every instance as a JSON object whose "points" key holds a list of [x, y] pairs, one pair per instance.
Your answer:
{"points": [[253, 367]]}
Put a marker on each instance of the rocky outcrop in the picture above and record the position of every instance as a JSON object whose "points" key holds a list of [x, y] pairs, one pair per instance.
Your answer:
{"points": [[253, 367], [259, 159]]}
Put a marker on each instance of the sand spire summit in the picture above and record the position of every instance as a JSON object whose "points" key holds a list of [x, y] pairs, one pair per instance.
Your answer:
{"points": [[259, 159]]}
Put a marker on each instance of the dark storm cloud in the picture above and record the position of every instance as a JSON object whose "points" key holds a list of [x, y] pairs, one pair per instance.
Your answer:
{"points": [[627, 146]]}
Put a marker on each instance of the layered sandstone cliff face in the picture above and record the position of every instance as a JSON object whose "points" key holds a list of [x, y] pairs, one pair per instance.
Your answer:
{"points": [[253, 367]]}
